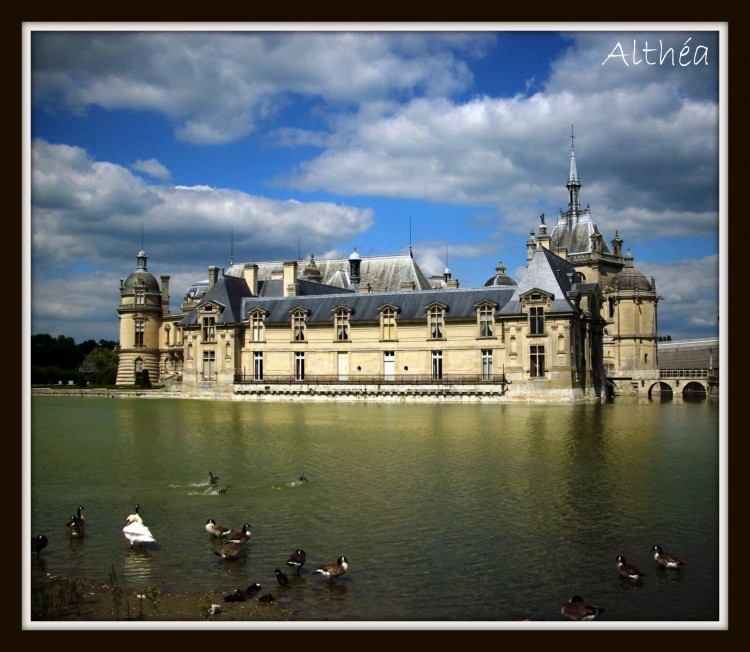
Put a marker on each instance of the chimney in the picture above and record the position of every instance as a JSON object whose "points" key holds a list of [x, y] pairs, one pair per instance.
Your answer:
{"points": [[213, 275], [291, 286], [250, 273], [164, 295]]}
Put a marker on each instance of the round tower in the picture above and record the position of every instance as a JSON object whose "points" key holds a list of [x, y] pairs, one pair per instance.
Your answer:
{"points": [[631, 301], [140, 312]]}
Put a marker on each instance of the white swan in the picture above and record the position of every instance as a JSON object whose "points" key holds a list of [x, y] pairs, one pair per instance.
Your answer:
{"points": [[135, 531]]}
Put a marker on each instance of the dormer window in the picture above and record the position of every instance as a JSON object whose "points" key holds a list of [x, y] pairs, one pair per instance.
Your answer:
{"points": [[436, 321], [486, 320], [257, 326], [298, 325], [388, 323], [140, 297], [341, 324]]}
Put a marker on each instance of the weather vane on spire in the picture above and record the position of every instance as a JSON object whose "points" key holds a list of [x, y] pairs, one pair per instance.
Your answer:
{"points": [[572, 138]]}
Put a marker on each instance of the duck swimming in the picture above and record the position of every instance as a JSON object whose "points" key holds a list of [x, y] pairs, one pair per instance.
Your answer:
{"points": [[577, 609], [77, 524], [39, 543]]}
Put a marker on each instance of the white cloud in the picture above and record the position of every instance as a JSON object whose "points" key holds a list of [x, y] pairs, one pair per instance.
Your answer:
{"points": [[152, 168], [85, 210], [216, 86]]}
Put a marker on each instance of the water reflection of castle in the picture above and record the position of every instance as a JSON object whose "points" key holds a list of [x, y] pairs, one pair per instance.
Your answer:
{"points": [[377, 325]]}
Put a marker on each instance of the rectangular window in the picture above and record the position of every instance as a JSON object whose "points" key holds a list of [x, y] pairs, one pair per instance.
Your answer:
{"points": [[486, 364], [140, 297], [299, 366], [139, 333], [342, 327], [536, 320], [298, 327], [209, 365], [486, 322], [258, 365], [436, 323], [537, 361], [389, 324], [437, 365], [257, 328], [389, 365], [209, 329]]}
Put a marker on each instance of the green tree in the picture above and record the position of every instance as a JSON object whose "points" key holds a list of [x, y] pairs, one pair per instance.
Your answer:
{"points": [[103, 365]]}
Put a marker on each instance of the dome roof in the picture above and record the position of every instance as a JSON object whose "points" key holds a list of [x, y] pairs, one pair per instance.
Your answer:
{"points": [[500, 277], [142, 279], [630, 278]]}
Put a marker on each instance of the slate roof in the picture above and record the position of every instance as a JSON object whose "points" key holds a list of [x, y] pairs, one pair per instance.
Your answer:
{"points": [[411, 305], [576, 239], [550, 273], [383, 273], [228, 293]]}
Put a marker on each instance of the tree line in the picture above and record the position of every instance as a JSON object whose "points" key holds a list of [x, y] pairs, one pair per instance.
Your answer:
{"points": [[60, 359]]}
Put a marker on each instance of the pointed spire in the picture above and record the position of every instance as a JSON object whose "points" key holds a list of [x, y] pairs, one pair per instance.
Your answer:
{"points": [[574, 182]]}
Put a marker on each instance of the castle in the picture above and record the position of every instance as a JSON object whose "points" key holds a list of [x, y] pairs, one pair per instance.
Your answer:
{"points": [[578, 323]]}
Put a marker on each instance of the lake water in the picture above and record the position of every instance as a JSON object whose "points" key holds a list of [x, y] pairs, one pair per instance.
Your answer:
{"points": [[451, 515]]}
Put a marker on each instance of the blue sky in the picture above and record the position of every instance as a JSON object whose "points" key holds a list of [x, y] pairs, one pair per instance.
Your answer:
{"points": [[262, 145]]}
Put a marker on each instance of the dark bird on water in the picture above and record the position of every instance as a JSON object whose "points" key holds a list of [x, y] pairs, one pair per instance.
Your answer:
{"points": [[213, 479], [39, 543], [221, 492], [666, 559], [626, 570], [282, 579], [333, 570], [297, 560], [235, 535], [577, 609], [240, 595], [266, 598], [236, 544], [77, 524]]}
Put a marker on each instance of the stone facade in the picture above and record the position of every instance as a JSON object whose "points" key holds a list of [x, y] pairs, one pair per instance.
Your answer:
{"points": [[377, 326]]}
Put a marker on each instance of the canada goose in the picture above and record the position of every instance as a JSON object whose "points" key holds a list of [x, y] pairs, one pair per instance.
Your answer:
{"points": [[666, 559], [297, 560], [77, 524], [577, 609], [216, 530], [39, 543], [234, 547], [628, 570], [213, 479], [333, 570]]}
